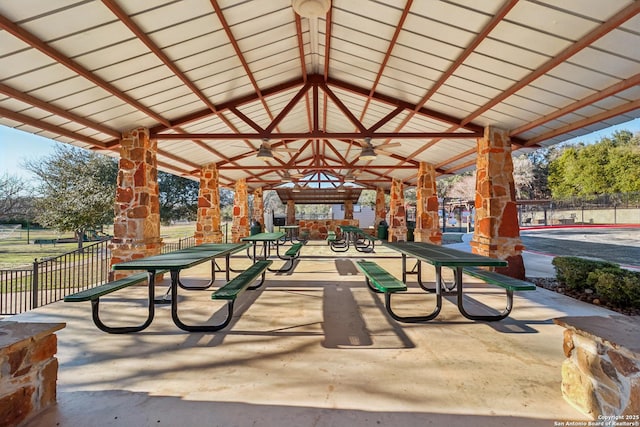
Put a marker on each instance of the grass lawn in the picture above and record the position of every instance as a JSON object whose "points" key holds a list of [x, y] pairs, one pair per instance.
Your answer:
{"points": [[18, 248]]}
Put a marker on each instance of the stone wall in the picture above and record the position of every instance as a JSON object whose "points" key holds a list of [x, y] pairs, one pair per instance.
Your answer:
{"points": [[28, 370], [427, 218], [240, 224], [601, 375], [136, 226], [397, 214], [318, 228], [497, 233], [208, 225]]}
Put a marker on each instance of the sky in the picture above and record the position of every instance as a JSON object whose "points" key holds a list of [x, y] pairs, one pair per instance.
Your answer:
{"points": [[17, 146]]}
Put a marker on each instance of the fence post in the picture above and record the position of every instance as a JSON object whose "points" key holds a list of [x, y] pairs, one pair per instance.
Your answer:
{"points": [[34, 284]]}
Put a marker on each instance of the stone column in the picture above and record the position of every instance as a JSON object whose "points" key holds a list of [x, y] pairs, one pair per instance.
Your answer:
{"points": [[240, 225], [497, 233], [258, 207], [136, 226], [348, 209], [291, 212], [381, 207], [28, 370], [427, 226], [398, 225], [208, 225]]}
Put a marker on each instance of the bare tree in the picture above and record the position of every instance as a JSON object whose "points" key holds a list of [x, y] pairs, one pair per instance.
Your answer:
{"points": [[13, 193]]}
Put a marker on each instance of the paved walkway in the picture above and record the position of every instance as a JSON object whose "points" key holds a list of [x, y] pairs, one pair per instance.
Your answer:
{"points": [[616, 244], [314, 348]]}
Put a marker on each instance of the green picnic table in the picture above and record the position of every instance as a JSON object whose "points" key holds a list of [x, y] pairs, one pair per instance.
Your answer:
{"points": [[442, 256], [174, 262]]}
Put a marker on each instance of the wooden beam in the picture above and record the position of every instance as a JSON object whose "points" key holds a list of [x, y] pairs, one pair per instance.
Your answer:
{"points": [[57, 56], [317, 134]]}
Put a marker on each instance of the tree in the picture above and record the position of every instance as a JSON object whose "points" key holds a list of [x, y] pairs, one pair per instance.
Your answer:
{"points": [[178, 198], [608, 166], [77, 190], [523, 176], [13, 194], [461, 186]]}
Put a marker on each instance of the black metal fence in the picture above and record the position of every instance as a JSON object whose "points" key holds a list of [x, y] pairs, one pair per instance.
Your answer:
{"points": [[50, 279], [186, 242]]}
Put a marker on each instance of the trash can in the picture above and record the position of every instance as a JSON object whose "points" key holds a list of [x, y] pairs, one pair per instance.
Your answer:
{"points": [[411, 225], [256, 228], [383, 230]]}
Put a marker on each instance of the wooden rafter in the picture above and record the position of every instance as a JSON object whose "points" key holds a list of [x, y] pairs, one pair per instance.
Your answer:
{"points": [[57, 56], [611, 24]]}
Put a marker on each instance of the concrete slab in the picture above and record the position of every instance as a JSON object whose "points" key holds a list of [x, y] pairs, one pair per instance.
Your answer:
{"points": [[314, 347]]}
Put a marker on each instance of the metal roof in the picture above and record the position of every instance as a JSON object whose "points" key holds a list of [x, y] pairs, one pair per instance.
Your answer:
{"points": [[213, 79]]}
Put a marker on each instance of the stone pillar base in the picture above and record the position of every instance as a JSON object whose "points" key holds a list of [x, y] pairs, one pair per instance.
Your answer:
{"points": [[29, 370], [501, 248], [600, 374], [208, 237], [427, 236], [398, 234], [123, 250]]}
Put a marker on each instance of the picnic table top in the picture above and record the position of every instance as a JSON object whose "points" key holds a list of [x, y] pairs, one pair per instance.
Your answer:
{"points": [[264, 237], [443, 256], [183, 258]]}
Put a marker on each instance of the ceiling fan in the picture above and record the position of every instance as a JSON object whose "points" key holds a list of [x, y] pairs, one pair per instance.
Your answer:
{"points": [[352, 175], [369, 152], [267, 152], [288, 177]]}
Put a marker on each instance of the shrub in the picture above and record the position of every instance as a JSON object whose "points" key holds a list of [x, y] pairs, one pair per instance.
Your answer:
{"points": [[617, 286], [572, 272]]}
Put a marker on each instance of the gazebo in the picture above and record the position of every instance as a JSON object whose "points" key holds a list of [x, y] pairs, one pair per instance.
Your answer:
{"points": [[245, 94]]}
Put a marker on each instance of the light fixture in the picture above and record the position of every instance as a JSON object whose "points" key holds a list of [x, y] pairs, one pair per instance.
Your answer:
{"points": [[311, 8], [341, 188], [367, 153], [286, 177], [264, 153], [349, 177], [296, 188]]}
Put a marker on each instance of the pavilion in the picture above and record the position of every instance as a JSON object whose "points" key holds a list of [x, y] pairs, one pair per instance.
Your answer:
{"points": [[248, 94]]}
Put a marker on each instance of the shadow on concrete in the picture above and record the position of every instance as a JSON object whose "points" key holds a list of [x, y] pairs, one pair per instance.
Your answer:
{"points": [[128, 408]]}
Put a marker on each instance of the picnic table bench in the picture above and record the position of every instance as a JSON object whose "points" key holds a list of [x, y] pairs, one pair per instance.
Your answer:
{"points": [[173, 262], [459, 261], [352, 235], [380, 280], [45, 242], [229, 293], [270, 240]]}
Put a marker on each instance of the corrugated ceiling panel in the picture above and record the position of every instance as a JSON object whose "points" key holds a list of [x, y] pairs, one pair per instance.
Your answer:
{"points": [[583, 76], [596, 9], [170, 14], [65, 21], [549, 20], [442, 12], [453, 35], [57, 92], [606, 63]]}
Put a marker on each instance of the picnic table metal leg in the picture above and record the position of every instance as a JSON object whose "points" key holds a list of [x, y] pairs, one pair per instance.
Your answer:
{"points": [[193, 328], [95, 313], [199, 288], [488, 318], [413, 319], [203, 328]]}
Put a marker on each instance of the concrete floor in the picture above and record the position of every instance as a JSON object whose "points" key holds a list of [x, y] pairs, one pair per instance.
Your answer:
{"points": [[314, 347]]}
